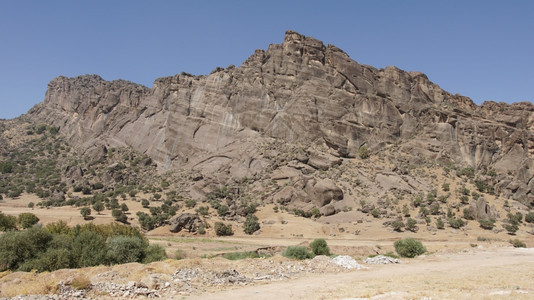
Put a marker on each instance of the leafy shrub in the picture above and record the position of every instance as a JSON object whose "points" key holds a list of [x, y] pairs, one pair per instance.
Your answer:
{"points": [[124, 249], [529, 217], [320, 247], [440, 224], [7, 222], [154, 253], [456, 223], [397, 225], [409, 247], [190, 203], [251, 224], [89, 249], [85, 212], [517, 243], [27, 220], [223, 210], [445, 187], [297, 252], [203, 210], [145, 203], [487, 223], [16, 247], [375, 213], [222, 229], [363, 152], [411, 224]]}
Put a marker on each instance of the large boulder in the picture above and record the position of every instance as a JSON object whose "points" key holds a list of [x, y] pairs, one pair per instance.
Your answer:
{"points": [[187, 221], [481, 210], [326, 191]]}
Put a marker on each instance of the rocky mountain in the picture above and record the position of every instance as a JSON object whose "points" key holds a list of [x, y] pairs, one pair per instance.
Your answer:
{"points": [[293, 111]]}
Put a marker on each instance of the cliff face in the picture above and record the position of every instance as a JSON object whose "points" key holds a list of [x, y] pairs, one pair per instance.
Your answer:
{"points": [[299, 92]]}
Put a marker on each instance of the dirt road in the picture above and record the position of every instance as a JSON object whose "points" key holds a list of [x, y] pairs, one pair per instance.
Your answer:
{"points": [[501, 273]]}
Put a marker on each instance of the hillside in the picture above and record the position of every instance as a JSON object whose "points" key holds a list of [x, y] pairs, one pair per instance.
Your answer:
{"points": [[300, 136]]}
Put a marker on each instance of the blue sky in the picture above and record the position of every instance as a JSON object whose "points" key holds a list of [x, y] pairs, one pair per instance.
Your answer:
{"points": [[480, 49]]}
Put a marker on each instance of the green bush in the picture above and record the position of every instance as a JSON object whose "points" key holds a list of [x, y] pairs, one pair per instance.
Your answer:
{"points": [[124, 249], [487, 224], [517, 243], [145, 203], [363, 152], [320, 247], [241, 255], [27, 220], [16, 247], [529, 217], [89, 249], [251, 224], [297, 252], [411, 224], [7, 222], [397, 225], [409, 247], [203, 210], [85, 212], [440, 224], [222, 229], [190, 203], [154, 253], [456, 223]]}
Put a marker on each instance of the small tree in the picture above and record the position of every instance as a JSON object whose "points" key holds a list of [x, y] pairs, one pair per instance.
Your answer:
{"points": [[222, 229], [31, 205], [7, 222], [251, 224], [145, 203], [85, 212], [98, 207], [119, 216], [397, 225], [124, 207], [487, 224], [529, 217], [27, 220], [411, 224], [320, 247], [409, 247], [440, 224]]}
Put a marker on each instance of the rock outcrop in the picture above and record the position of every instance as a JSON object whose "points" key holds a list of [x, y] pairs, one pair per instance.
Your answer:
{"points": [[187, 221], [299, 92]]}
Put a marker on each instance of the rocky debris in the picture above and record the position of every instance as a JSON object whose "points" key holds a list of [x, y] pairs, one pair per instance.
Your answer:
{"points": [[346, 262], [187, 221], [322, 161], [381, 260], [131, 289]]}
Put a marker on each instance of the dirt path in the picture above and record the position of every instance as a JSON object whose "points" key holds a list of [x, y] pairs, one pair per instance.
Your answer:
{"points": [[480, 274]]}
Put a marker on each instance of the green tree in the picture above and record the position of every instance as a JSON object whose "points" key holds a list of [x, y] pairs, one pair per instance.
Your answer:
{"points": [[222, 229], [124, 207], [27, 220], [85, 212], [98, 206], [145, 203], [251, 224], [7, 222], [31, 205], [411, 224], [125, 249], [320, 247], [409, 247]]}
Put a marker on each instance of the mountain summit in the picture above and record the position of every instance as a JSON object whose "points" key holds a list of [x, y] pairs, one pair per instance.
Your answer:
{"points": [[301, 93]]}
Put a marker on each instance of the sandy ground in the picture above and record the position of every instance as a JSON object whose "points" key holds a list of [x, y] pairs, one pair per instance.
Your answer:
{"points": [[498, 273]]}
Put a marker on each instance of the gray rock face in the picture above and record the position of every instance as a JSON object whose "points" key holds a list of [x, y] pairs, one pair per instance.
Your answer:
{"points": [[299, 91], [187, 221]]}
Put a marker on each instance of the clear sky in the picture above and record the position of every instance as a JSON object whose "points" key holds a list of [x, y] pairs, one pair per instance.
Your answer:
{"points": [[480, 49]]}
